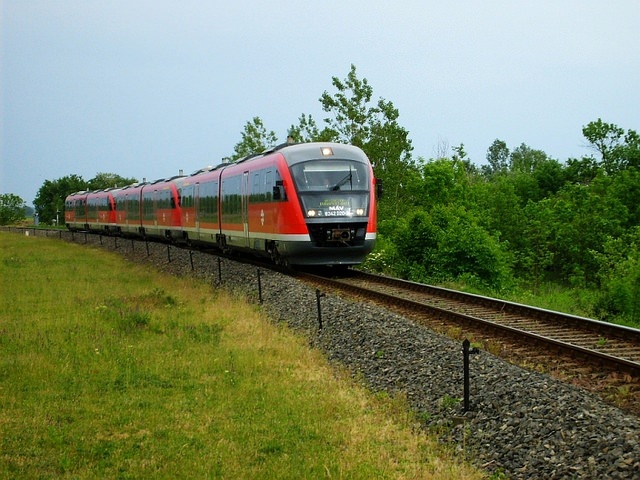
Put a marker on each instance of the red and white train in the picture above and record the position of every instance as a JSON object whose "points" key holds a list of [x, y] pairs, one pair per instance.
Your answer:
{"points": [[300, 204]]}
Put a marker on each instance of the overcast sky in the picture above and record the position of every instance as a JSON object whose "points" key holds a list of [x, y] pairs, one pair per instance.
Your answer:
{"points": [[146, 88]]}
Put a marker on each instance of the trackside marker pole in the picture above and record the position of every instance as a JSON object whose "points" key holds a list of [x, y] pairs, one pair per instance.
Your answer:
{"points": [[465, 355], [259, 287], [219, 270], [191, 259], [318, 297]]}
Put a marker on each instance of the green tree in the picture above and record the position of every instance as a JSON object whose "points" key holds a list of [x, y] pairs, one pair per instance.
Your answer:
{"points": [[49, 201], [618, 150], [581, 171], [498, 158], [619, 274], [524, 159], [443, 182], [625, 187], [583, 218], [307, 130], [534, 257], [109, 180], [374, 128], [255, 139], [550, 176], [447, 244], [12, 209], [630, 151], [605, 138]]}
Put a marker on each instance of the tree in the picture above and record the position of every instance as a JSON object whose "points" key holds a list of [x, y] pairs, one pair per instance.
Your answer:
{"points": [[631, 149], [255, 139], [375, 129], [12, 209], [619, 274], [534, 257], [49, 201], [498, 158], [306, 131], [108, 180], [618, 150], [550, 176], [525, 159], [443, 182], [583, 217], [605, 139], [581, 171], [447, 244]]}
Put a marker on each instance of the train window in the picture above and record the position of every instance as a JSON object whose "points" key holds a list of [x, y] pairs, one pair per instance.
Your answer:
{"points": [[186, 197], [330, 175], [208, 202]]}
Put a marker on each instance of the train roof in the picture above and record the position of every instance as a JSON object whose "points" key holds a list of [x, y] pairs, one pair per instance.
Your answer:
{"points": [[210, 168], [297, 152], [304, 151]]}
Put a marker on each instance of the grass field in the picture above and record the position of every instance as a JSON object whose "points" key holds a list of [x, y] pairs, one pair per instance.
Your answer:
{"points": [[112, 370]]}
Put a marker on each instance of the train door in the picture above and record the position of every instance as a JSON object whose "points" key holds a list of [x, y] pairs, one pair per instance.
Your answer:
{"points": [[245, 207]]}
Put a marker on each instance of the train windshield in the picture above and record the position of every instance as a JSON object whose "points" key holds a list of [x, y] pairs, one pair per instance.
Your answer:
{"points": [[330, 175], [332, 188]]}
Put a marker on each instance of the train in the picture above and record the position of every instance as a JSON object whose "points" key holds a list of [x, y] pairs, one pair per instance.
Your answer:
{"points": [[299, 204]]}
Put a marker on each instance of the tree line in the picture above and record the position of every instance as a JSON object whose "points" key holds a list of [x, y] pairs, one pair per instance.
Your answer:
{"points": [[520, 221]]}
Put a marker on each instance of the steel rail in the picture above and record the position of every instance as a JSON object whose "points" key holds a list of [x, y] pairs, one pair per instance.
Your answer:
{"points": [[626, 364]]}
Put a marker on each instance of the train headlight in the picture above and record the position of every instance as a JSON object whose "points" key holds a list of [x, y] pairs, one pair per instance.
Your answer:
{"points": [[311, 213], [327, 151], [360, 212]]}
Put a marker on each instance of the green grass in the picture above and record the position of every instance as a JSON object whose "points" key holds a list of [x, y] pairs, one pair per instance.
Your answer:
{"points": [[550, 296], [111, 370]]}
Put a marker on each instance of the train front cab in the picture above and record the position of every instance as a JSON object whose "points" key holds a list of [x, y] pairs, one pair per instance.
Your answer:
{"points": [[335, 192]]}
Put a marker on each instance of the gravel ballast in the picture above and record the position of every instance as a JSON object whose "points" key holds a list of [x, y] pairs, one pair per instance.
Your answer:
{"points": [[521, 423]]}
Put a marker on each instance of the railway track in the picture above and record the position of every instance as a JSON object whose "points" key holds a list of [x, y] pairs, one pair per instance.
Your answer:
{"points": [[607, 345]]}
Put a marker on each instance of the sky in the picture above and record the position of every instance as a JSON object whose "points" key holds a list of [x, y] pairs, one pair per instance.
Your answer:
{"points": [[146, 88]]}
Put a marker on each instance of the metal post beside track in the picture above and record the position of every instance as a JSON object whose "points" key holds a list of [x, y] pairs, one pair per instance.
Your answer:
{"points": [[318, 297], [465, 355], [259, 287]]}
